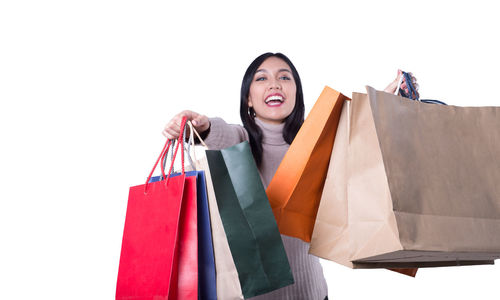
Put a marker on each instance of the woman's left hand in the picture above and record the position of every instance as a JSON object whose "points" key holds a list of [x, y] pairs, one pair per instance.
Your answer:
{"points": [[391, 88]]}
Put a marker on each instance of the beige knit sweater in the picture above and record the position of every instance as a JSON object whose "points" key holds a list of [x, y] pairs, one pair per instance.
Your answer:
{"points": [[310, 283]]}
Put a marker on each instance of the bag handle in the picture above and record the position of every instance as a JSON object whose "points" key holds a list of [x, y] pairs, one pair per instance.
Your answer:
{"points": [[190, 144], [412, 91], [191, 138], [191, 127], [164, 152], [186, 149]]}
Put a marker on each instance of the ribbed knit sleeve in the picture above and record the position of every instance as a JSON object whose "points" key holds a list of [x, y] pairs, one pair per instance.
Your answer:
{"points": [[223, 135]]}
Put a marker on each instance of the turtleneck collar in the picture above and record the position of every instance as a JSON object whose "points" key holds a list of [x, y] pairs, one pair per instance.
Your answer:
{"points": [[272, 134]]}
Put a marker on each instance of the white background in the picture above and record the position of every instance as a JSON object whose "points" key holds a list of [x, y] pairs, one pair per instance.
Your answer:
{"points": [[87, 86]]}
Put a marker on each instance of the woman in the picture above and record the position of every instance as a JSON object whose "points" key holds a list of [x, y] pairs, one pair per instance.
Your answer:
{"points": [[272, 112]]}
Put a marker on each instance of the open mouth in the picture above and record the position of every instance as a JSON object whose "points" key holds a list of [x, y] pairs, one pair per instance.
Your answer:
{"points": [[274, 100]]}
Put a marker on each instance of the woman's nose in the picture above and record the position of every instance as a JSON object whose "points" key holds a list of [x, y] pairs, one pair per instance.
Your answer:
{"points": [[274, 84]]}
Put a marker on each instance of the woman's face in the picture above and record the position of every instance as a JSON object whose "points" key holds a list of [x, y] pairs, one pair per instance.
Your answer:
{"points": [[272, 91]]}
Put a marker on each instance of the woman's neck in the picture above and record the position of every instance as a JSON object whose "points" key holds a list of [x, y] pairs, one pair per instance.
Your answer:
{"points": [[272, 134]]}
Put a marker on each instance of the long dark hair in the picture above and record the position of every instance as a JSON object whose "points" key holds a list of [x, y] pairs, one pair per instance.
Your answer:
{"points": [[292, 123]]}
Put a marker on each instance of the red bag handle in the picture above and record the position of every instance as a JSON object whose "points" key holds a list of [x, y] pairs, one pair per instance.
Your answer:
{"points": [[164, 151]]}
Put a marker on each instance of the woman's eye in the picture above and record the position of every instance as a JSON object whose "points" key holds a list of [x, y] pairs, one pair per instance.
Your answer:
{"points": [[285, 78], [260, 79]]}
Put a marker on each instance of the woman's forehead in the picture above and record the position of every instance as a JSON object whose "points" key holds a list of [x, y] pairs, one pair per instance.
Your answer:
{"points": [[273, 64], [278, 71]]}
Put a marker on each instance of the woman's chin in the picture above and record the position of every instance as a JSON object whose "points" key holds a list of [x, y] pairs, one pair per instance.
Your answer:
{"points": [[271, 119]]}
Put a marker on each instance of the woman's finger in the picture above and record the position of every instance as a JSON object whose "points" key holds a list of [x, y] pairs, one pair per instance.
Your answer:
{"points": [[201, 123], [171, 133], [172, 129], [190, 115]]}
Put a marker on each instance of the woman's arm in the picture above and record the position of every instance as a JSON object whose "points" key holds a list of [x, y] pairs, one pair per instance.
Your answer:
{"points": [[222, 135], [217, 134]]}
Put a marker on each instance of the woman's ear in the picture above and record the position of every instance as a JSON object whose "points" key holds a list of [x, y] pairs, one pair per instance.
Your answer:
{"points": [[249, 102]]}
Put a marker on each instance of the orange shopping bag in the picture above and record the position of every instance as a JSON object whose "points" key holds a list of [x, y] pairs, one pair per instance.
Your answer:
{"points": [[295, 190]]}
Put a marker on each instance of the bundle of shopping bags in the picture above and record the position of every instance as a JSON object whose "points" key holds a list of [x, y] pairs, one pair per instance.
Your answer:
{"points": [[394, 183], [208, 233], [371, 181]]}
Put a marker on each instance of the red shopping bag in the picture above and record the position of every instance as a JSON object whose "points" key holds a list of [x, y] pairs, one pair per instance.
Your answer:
{"points": [[155, 261], [185, 285]]}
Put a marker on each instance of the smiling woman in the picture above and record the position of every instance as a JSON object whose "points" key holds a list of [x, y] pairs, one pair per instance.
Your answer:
{"points": [[272, 112], [272, 94]]}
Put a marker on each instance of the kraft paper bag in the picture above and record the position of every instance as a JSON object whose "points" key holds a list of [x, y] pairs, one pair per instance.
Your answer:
{"points": [[228, 284], [295, 190], [411, 184]]}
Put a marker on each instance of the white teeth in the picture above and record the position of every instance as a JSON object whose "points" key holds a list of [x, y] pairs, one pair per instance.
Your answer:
{"points": [[274, 98]]}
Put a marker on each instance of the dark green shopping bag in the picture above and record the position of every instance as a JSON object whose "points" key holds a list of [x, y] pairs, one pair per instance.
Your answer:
{"points": [[248, 221]]}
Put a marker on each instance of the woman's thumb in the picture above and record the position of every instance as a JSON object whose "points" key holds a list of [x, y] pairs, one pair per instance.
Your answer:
{"points": [[198, 120]]}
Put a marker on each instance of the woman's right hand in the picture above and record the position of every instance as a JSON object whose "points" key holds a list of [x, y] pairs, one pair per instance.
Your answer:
{"points": [[173, 127]]}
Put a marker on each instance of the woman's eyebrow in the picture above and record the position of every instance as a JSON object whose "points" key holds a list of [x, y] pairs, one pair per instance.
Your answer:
{"points": [[280, 70]]}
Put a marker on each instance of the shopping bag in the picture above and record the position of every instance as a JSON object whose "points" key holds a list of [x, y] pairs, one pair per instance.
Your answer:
{"points": [[218, 278], [186, 271], [206, 262], [248, 221], [148, 266], [227, 281], [295, 190], [411, 184]]}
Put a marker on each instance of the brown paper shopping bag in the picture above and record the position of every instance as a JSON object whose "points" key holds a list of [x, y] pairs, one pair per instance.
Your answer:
{"points": [[295, 190], [411, 185], [228, 284], [227, 281]]}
